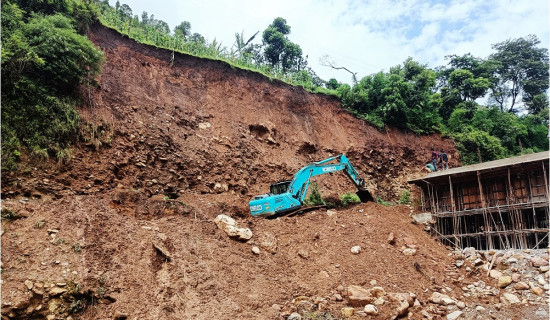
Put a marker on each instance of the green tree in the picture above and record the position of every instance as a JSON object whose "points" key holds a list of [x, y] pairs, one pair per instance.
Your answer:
{"points": [[84, 13], [472, 143], [279, 51], [125, 11], [198, 38], [520, 69], [144, 18], [466, 78], [332, 84], [183, 29], [505, 126], [467, 86]]}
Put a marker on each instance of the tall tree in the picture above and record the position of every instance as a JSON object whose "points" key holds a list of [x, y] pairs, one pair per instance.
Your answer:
{"points": [[521, 70], [279, 51], [144, 17], [183, 29]]}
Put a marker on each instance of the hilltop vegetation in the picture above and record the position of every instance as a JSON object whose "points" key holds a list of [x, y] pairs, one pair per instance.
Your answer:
{"points": [[492, 108], [45, 56]]}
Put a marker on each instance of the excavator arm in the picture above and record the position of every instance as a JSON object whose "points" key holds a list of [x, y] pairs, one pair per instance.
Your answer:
{"points": [[300, 183]]}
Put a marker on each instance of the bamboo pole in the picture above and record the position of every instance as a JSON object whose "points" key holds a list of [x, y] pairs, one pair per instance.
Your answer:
{"points": [[484, 211], [545, 182], [455, 218], [532, 205]]}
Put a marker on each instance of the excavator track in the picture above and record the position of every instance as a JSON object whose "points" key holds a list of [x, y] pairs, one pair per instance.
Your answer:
{"points": [[292, 213]]}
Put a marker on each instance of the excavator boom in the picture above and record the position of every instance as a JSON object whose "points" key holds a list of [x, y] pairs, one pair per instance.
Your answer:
{"points": [[289, 195]]}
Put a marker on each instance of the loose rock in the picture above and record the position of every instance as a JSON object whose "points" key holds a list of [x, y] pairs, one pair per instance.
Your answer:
{"points": [[509, 298], [356, 250], [539, 262], [521, 286], [255, 250], [295, 316], [56, 291], [377, 292], [537, 290], [28, 284], [303, 253], [359, 296], [454, 315], [371, 309], [495, 274], [391, 239], [347, 312], [504, 281], [229, 225]]}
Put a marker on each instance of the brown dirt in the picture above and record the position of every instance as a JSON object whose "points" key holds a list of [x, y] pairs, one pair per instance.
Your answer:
{"points": [[170, 142]]}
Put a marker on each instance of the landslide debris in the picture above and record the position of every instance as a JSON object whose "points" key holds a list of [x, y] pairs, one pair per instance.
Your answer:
{"points": [[130, 220]]}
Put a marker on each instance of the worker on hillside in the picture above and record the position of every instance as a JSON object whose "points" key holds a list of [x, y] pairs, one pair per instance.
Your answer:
{"points": [[435, 157], [429, 167], [444, 160]]}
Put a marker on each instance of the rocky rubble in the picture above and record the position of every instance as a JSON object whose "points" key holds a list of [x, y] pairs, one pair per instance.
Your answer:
{"points": [[502, 278], [517, 276], [50, 300]]}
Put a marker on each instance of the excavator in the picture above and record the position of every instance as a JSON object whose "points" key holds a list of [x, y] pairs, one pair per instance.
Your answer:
{"points": [[288, 196]]}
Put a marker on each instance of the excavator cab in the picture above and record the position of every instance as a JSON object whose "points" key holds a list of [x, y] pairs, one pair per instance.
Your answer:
{"points": [[279, 187]]}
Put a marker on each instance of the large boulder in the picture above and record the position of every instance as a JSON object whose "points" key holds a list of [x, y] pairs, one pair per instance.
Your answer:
{"points": [[229, 225]]}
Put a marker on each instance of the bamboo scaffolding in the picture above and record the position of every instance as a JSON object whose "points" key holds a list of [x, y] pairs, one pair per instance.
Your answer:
{"points": [[506, 211]]}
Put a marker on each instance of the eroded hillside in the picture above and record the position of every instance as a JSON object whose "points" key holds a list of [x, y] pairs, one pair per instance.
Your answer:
{"points": [[125, 230]]}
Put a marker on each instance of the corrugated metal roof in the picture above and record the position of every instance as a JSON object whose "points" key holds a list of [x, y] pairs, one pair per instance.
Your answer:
{"points": [[485, 166]]}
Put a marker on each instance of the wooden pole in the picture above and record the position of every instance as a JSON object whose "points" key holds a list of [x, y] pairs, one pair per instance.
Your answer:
{"points": [[455, 218], [545, 181], [513, 212], [532, 206], [453, 207], [484, 211]]}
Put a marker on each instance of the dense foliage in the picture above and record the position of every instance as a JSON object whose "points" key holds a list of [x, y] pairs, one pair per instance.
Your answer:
{"points": [[513, 120], [44, 59]]}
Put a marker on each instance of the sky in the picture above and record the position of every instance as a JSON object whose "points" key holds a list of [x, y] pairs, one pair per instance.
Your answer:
{"points": [[366, 36]]}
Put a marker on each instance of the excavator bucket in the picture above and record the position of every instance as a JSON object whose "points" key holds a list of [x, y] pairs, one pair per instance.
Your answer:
{"points": [[364, 195]]}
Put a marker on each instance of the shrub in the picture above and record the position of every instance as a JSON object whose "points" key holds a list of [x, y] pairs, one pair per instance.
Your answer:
{"points": [[382, 202], [350, 198], [315, 198], [405, 197]]}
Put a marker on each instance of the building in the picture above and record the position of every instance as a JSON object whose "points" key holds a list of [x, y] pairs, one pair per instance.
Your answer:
{"points": [[500, 204]]}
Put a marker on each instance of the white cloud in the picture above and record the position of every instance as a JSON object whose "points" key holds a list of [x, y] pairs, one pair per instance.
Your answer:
{"points": [[365, 36]]}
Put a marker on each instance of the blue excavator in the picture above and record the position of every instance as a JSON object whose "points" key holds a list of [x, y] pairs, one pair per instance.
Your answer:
{"points": [[287, 196]]}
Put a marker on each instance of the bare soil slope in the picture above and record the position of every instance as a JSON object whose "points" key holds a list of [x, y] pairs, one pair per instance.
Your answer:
{"points": [[126, 228]]}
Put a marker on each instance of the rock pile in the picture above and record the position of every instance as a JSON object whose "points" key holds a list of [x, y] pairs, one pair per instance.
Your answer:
{"points": [[490, 281], [517, 276]]}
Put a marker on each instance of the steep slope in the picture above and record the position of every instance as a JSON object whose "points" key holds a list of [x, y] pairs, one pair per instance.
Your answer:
{"points": [[126, 227], [191, 123]]}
